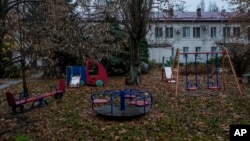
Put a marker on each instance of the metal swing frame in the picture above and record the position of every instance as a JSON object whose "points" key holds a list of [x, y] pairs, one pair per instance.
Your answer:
{"points": [[225, 55]]}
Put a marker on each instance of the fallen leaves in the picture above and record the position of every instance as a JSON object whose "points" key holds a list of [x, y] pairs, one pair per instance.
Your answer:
{"points": [[200, 115]]}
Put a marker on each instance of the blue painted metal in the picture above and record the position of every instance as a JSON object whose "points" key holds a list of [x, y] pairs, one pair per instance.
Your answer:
{"points": [[122, 100], [212, 84], [195, 69], [110, 108], [207, 72], [187, 83], [217, 72], [75, 71]]}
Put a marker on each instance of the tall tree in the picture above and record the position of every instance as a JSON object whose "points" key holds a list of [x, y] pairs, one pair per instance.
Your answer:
{"points": [[202, 5], [212, 7], [35, 27], [5, 7], [136, 15], [7, 16], [238, 42]]}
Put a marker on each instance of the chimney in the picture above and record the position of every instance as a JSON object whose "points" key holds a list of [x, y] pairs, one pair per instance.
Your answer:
{"points": [[199, 12]]}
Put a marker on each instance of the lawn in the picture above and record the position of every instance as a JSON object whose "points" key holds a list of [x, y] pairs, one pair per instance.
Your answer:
{"points": [[199, 115]]}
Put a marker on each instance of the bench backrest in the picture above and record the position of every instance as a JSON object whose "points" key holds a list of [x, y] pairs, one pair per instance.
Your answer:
{"points": [[10, 99]]}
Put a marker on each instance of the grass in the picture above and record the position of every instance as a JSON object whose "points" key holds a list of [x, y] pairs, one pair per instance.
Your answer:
{"points": [[204, 115], [22, 138]]}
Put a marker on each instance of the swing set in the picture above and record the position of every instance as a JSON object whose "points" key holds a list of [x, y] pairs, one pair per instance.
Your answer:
{"points": [[212, 85]]}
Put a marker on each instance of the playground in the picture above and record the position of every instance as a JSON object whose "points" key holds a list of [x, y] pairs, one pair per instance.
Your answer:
{"points": [[203, 114]]}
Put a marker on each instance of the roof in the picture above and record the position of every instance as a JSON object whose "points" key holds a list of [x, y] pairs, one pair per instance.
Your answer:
{"points": [[179, 16], [191, 16]]}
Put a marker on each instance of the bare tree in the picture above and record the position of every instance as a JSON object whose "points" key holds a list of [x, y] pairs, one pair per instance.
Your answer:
{"points": [[136, 15], [212, 7], [201, 5], [238, 42], [9, 13], [38, 27], [6, 7]]}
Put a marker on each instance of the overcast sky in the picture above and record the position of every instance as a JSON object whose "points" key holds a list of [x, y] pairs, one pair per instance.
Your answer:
{"points": [[192, 4]]}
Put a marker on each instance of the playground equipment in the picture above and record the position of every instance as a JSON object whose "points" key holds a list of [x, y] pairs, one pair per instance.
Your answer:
{"points": [[75, 76], [91, 74], [56, 92], [210, 85], [167, 74], [213, 85], [191, 86], [167, 61], [248, 77], [122, 103]]}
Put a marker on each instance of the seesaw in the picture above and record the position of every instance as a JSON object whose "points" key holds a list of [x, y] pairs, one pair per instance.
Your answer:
{"points": [[56, 92]]}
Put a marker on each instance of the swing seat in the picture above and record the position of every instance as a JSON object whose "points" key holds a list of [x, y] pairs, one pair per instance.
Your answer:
{"points": [[214, 86], [193, 88]]}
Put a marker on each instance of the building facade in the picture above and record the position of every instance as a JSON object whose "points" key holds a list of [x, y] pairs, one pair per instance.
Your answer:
{"points": [[191, 32]]}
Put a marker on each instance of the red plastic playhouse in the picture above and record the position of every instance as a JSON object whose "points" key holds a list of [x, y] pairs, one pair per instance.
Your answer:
{"points": [[95, 73]]}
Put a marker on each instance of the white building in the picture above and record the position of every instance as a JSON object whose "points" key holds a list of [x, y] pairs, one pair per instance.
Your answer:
{"points": [[191, 32]]}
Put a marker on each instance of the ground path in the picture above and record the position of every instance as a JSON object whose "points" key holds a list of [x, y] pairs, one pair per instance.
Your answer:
{"points": [[7, 83]]}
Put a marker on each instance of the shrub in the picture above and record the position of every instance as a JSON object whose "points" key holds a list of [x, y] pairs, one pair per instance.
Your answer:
{"points": [[12, 71]]}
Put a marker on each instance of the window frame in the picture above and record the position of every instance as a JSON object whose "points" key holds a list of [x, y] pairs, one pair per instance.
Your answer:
{"points": [[198, 50], [213, 49], [158, 31], [169, 32], [226, 31], [213, 32], [236, 31], [248, 33], [186, 32], [196, 32], [185, 50]]}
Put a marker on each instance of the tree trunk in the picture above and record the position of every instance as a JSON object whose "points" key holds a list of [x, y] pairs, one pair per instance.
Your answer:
{"points": [[1, 58], [134, 73], [2, 33], [23, 67]]}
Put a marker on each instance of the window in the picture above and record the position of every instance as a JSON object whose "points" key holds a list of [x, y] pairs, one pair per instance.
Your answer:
{"points": [[248, 33], [158, 31], [213, 49], [198, 50], [185, 50], [93, 69], [169, 32], [196, 32], [186, 32], [226, 31], [213, 32], [236, 31]]}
